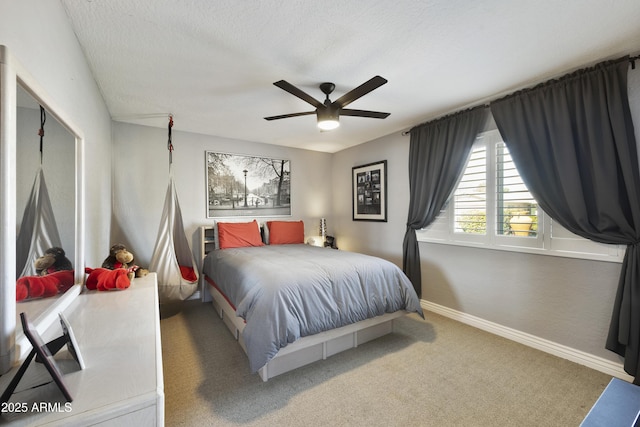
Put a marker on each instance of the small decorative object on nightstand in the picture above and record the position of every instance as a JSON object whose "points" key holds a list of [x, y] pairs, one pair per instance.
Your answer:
{"points": [[315, 241], [323, 228], [330, 242]]}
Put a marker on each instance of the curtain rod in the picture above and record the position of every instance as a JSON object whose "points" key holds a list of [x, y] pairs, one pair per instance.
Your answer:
{"points": [[632, 62]]}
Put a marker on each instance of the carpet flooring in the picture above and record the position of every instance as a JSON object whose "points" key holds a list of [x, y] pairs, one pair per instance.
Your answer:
{"points": [[432, 372]]}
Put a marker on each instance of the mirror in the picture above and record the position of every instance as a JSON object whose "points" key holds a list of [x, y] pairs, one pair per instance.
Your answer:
{"points": [[58, 166], [13, 344]]}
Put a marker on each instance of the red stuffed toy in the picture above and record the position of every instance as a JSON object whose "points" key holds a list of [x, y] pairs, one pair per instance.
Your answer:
{"points": [[52, 284], [104, 279]]}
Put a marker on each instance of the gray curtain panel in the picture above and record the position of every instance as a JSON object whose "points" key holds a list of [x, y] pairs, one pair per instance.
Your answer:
{"points": [[573, 142], [437, 157]]}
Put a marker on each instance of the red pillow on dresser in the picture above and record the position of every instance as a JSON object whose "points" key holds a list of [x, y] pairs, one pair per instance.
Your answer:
{"points": [[285, 232], [239, 234]]}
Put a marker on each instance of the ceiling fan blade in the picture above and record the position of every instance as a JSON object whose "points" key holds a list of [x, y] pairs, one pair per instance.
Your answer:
{"points": [[285, 116], [363, 113], [299, 93], [361, 90]]}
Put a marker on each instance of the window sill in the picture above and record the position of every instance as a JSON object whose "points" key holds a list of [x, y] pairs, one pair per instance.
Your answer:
{"points": [[617, 258]]}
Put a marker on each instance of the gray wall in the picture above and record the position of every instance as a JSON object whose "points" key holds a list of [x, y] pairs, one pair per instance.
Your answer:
{"points": [[52, 55], [567, 301], [564, 300], [141, 175], [382, 239]]}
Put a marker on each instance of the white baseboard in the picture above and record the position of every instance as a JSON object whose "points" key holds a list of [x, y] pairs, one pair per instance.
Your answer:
{"points": [[594, 362]]}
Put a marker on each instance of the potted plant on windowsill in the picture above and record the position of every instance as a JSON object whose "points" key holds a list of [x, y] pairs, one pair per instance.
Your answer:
{"points": [[520, 224]]}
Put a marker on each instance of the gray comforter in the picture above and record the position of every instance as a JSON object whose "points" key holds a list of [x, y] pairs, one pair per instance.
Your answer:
{"points": [[284, 292]]}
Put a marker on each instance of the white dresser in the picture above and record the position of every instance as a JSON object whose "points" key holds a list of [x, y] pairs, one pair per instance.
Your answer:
{"points": [[118, 333]]}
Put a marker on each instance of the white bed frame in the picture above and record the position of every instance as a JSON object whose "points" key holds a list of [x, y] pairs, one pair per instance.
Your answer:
{"points": [[311, 348]]}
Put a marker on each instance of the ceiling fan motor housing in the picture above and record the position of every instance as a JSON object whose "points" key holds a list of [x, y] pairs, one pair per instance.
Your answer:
{"points": [[329, 113]]}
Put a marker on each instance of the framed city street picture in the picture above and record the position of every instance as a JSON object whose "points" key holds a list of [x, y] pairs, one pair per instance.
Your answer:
{"points": [[370, 192], [239, 185]]}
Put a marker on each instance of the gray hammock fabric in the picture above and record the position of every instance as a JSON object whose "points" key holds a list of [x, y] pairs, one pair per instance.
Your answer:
{"points": [[38, 231], [172, 258]]}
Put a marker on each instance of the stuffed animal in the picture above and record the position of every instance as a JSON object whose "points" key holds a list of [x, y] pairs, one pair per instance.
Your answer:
{"points": [[120, 257], [104, 279], [54, 259], [29, 287]]}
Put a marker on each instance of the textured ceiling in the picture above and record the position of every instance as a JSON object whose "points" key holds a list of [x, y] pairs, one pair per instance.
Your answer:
{"points": [[211, 63]]}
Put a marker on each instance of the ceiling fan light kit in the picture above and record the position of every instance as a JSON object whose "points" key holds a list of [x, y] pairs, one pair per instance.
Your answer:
{"points": [[328, 124], [328, 113], [328, 119]]}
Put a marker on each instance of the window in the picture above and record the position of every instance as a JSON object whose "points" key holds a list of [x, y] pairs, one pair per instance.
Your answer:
{"points": [[470, 197], [491, 207]]}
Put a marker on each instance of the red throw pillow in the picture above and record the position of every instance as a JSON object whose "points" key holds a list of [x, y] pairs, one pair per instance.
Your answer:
{"points": [[285, 232], [239, 234]]}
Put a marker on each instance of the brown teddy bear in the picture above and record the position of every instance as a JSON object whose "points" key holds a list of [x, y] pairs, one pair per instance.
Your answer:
{"points": [[120, 257], [54, 259]]}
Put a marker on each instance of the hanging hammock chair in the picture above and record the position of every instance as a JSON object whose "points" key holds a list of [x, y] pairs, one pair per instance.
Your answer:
{"points": [[38, 230], [172, 258]]}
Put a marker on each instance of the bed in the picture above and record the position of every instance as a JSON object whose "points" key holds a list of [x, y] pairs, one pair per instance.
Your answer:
{"points": [[289, 304]]}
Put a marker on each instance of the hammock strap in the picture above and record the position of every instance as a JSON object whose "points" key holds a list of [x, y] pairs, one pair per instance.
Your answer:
{"points": [[169, 143], [43, 119]]}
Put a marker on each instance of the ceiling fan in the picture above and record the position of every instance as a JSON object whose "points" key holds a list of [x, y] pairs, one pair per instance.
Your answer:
{"points": [[329, 112]]}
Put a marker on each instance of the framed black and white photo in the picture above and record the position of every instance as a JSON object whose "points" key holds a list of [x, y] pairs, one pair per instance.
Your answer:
{"points": [[239, 185], [370, 192]]}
